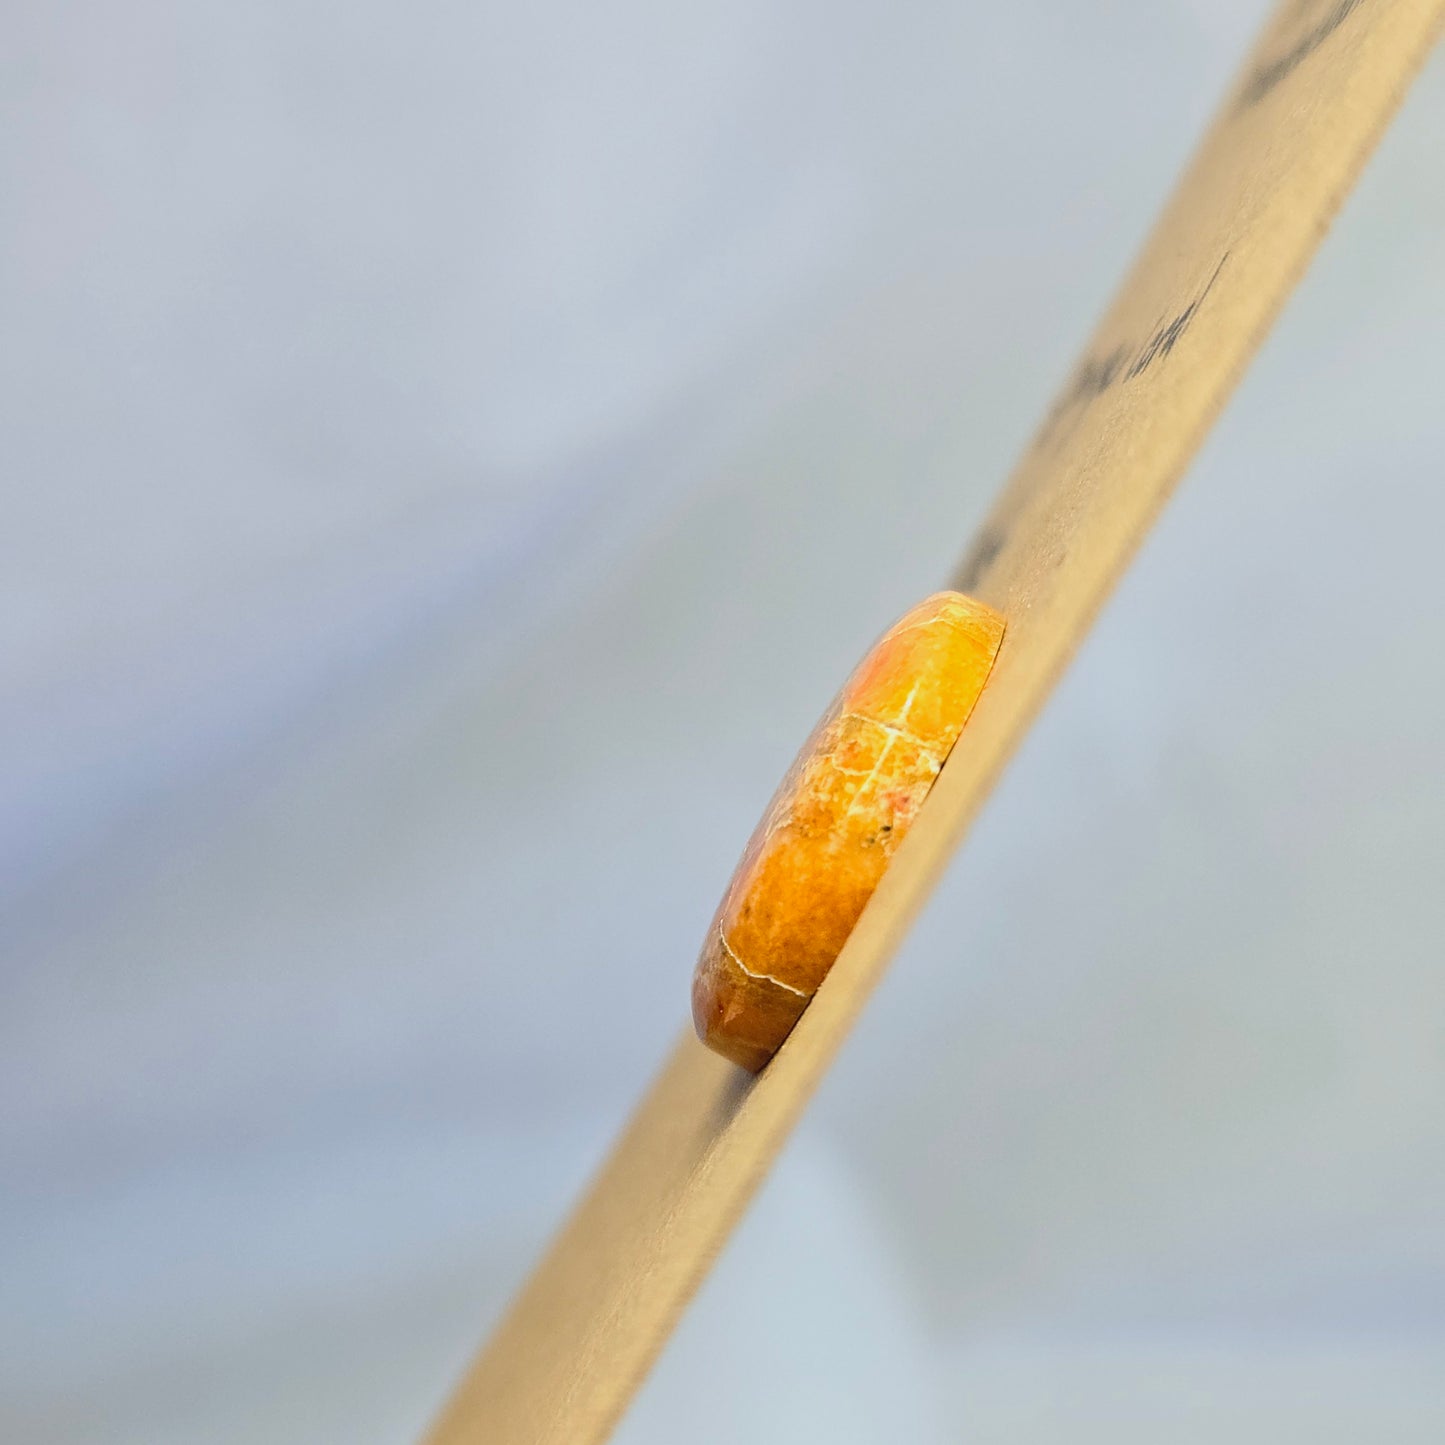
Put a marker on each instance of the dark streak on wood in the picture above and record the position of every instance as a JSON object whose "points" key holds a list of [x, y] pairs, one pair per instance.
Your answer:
{"points": [[1094, 376], [984, 550], [1264, 78], [1097, 374]]}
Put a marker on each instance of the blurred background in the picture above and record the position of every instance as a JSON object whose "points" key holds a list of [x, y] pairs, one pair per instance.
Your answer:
{"points": [[429, 435]]}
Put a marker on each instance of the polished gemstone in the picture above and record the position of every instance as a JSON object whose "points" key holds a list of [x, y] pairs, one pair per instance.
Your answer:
{"points": [[835, 821]]}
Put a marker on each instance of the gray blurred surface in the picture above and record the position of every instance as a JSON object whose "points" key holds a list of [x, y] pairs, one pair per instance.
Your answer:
{"points": [[429, 436]]}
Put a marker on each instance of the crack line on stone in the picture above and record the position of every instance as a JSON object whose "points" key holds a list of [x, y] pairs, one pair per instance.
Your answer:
{"points": [[894, 731], [762, 977]]}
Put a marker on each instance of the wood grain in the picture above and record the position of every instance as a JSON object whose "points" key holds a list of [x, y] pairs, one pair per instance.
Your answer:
{"points": [[1312, 99]]}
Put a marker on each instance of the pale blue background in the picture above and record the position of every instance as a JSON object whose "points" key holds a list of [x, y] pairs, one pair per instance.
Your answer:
{"points": [[429, 434]]}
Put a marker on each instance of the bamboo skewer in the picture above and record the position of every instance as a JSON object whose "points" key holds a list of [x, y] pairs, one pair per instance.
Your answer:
{"points": [[1313, 98]]}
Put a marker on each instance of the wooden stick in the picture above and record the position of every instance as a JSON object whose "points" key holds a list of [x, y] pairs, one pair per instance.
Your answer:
{"points": [[1313, 98]]}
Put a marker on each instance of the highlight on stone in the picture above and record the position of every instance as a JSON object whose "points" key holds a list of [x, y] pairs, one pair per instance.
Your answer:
{"points": [[836, 820]]}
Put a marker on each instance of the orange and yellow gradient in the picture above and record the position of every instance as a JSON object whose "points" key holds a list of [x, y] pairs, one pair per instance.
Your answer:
{"points": [[836, 820]]}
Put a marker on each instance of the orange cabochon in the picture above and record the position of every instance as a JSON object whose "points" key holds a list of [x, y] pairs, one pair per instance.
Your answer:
{"points": [[834, 823]]}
